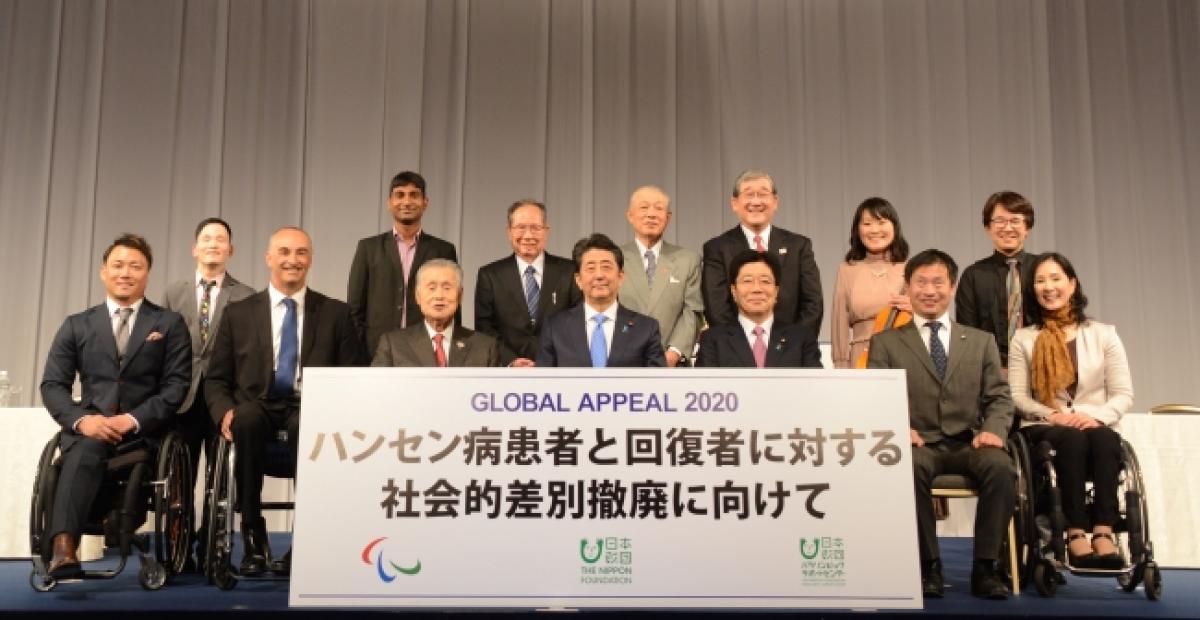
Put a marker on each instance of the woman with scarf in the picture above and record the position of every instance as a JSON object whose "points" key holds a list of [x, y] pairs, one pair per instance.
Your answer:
{"points": [[1071, 385]]}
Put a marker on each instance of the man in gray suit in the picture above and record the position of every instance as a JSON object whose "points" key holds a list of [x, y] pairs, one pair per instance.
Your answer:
{"points": [[436, 341], [959, 411], [663, 279], [201, 299]]}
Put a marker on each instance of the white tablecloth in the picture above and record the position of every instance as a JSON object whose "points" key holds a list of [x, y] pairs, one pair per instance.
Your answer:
{"points": [[1168, 450]]}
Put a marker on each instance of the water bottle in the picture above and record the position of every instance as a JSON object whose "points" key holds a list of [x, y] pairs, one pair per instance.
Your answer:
{"points": [[5, 389]]}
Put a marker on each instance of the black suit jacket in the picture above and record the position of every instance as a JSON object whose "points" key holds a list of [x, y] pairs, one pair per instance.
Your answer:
{"points": [[788, 346], [982, 298], [241, 369], [377, 291], [150, 383], [500, 309], [800, 298], [636, 341]]}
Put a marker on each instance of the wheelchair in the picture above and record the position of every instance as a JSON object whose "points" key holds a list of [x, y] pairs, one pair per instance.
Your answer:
{"points": [[1043, 526], [149, 479], [221, 507]]}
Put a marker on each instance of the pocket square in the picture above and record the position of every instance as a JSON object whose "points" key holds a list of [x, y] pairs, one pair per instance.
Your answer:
{"points": [[154, 336], [674, 280]]}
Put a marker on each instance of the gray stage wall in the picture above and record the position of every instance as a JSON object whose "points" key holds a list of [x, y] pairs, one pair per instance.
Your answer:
{"points": [[149, 115]]}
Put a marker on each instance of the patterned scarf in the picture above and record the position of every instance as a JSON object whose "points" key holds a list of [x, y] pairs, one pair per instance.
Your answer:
{"points": [[1052, 367]]}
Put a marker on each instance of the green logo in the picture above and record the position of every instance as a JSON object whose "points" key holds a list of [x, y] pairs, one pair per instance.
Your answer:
{"points": [[816, 548], [583, 550]]}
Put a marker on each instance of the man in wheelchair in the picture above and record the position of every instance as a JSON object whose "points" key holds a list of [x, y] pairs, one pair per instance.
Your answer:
{"points": [[134, 363]]}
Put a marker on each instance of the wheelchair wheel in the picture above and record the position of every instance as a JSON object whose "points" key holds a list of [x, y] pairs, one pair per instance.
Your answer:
{"points": [[219, 506], [1045, 578], [41, 583], [1025, 515], [41, 503], [152, 575], [1152, 579], [172, 509]]}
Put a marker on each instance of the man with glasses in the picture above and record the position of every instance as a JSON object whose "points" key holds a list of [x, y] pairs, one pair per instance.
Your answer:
{"points": [[515, 295], [989, 293]]}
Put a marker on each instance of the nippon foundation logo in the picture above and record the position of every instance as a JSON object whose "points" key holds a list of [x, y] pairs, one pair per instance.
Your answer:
{"points": [[606, 561], [823, 561], [386, 568]]}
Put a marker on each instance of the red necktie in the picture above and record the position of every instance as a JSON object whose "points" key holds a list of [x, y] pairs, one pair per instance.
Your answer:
{"points": [[438, 351], [760, 347], [758, 246]]}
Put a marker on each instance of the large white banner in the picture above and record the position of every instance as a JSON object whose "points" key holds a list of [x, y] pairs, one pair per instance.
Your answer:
{"points": [[605, 488]]}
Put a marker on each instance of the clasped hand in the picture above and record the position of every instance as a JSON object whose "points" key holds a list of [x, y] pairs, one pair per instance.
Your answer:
{"points": [[1080, 421], [109, 429]]}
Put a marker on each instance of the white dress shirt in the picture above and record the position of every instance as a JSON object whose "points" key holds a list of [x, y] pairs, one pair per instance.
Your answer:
{"points": [[278, 310], [539, 268], [943, 332], [765, 234], [609, 325], [447, 334], [749, 325]]}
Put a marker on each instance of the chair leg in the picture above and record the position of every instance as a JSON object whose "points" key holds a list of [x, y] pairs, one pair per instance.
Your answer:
{"points": [[1013, 567]]}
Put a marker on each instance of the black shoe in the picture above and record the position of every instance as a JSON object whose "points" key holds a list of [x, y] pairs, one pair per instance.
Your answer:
{"points": [[283, 567], [256, 553], [985, 583], [932, 584]]}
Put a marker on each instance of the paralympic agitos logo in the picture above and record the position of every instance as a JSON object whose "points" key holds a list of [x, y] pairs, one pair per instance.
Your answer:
{"points": [[379, 562]]}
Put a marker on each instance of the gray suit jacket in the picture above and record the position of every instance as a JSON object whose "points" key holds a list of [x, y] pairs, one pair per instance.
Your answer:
{"points": [[674, 301], [973, 396], [181, 297], [411, 347]]}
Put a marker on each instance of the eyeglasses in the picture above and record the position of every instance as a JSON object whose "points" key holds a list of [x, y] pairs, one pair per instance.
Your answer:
{"points": [[522, 229], [1015, 222]]}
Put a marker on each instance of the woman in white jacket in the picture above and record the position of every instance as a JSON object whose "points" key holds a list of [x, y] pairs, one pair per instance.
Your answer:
{"points": [[1071, 385]]}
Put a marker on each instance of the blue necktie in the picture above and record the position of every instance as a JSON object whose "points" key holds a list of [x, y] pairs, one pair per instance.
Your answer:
{"points": [[599, 343], [531, 292], [285, 368], [936, 350]]}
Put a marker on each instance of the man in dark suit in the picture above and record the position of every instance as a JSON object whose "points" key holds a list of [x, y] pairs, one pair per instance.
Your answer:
{"points": [[757, 339], [989, 294], [133, 360], [663, 279], [755, 200], [384, 267], [515, 295], [960, 411], [255, 377], [437, 341], [201, 300], [600, 332]]}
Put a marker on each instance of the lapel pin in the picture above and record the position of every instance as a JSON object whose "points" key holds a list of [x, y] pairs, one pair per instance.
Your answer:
{"points": [[783, 250], [459, 344]]}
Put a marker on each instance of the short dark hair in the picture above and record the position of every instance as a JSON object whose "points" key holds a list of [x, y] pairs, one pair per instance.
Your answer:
{"points": [[1034, 314], [133, 242], [745, 257], [213, 220], [1012, 202], [408, 177], [597, 241], [882, 209], [521, 203], [929, 257]]}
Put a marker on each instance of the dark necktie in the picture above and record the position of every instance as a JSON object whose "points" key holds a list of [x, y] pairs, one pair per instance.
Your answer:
{"points": [[438, 352], [1013, 285], [651, 267], [936, 351], [532, 292], [123, 332], [206, 309], [285, 368]]}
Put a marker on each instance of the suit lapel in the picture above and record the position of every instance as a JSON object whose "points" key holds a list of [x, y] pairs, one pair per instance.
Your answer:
{"points": [[741, 346], [777, 245], [102, 325], [312, 311], [635, 276], [218, 306], [420, 345], [420, 254], [266, 337], [577, 335], [459, 347], [662, 273], [146, 320], [512, 282], [389, 249], [552, 275], [912, 338], [622, 329], [958, 350], [776, 344]]}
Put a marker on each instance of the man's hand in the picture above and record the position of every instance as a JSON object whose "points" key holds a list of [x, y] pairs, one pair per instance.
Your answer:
{"points": [[122, 424], [901, 302], [987, 440], [915, 438], [522, 362], [227, 426], [97, 428], [672, 358]]}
